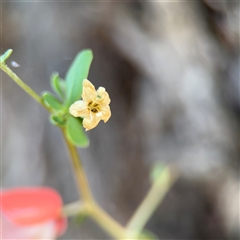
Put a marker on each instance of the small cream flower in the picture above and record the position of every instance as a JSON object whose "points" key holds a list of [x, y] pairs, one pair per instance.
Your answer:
{"points": [[93, 107]]}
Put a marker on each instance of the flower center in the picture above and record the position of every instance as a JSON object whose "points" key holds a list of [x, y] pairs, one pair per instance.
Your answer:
{"points": [[93, 107]]}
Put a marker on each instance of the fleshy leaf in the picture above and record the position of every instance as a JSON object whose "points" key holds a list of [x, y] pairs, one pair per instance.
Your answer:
{"points": [[57, 120], [75, 132], [77, 72], [52, 102], [58, 85]]}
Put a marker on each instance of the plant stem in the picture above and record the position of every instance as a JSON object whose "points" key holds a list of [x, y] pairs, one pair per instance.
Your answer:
{"points": [[89, 206], [20, 83], [96, 213], [81, 179], [154, 197], [73, 209], [107, 223], [100, 216]]}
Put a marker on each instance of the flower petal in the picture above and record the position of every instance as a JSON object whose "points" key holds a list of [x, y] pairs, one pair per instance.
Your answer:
{"points": [[91, 122], [106, 113], [89, 92], [79, 109], [102, 96]]}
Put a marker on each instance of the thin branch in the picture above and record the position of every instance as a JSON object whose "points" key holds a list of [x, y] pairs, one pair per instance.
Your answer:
{"points": [[21, 84], [154, 197], [81, 178]]}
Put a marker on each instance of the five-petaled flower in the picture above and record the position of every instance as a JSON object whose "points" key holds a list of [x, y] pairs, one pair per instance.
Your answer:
{"points": [[93, 107]]}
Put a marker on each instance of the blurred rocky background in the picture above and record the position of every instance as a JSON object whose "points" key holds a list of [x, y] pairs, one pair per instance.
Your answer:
{"points": [[172, 71]]}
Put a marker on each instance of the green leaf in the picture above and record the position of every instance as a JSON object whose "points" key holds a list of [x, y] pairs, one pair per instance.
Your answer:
{"points": [[77, 72], [6, 55], [57, 120], [75, 132], [52, 102], [58, 85]]}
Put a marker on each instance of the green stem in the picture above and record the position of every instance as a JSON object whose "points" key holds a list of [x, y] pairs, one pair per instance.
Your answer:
{"points": [[20, 83], [79, 172], [107, 223], [96, 213], [73, 209], [101, 217], [89, 206], [154, 197]]}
